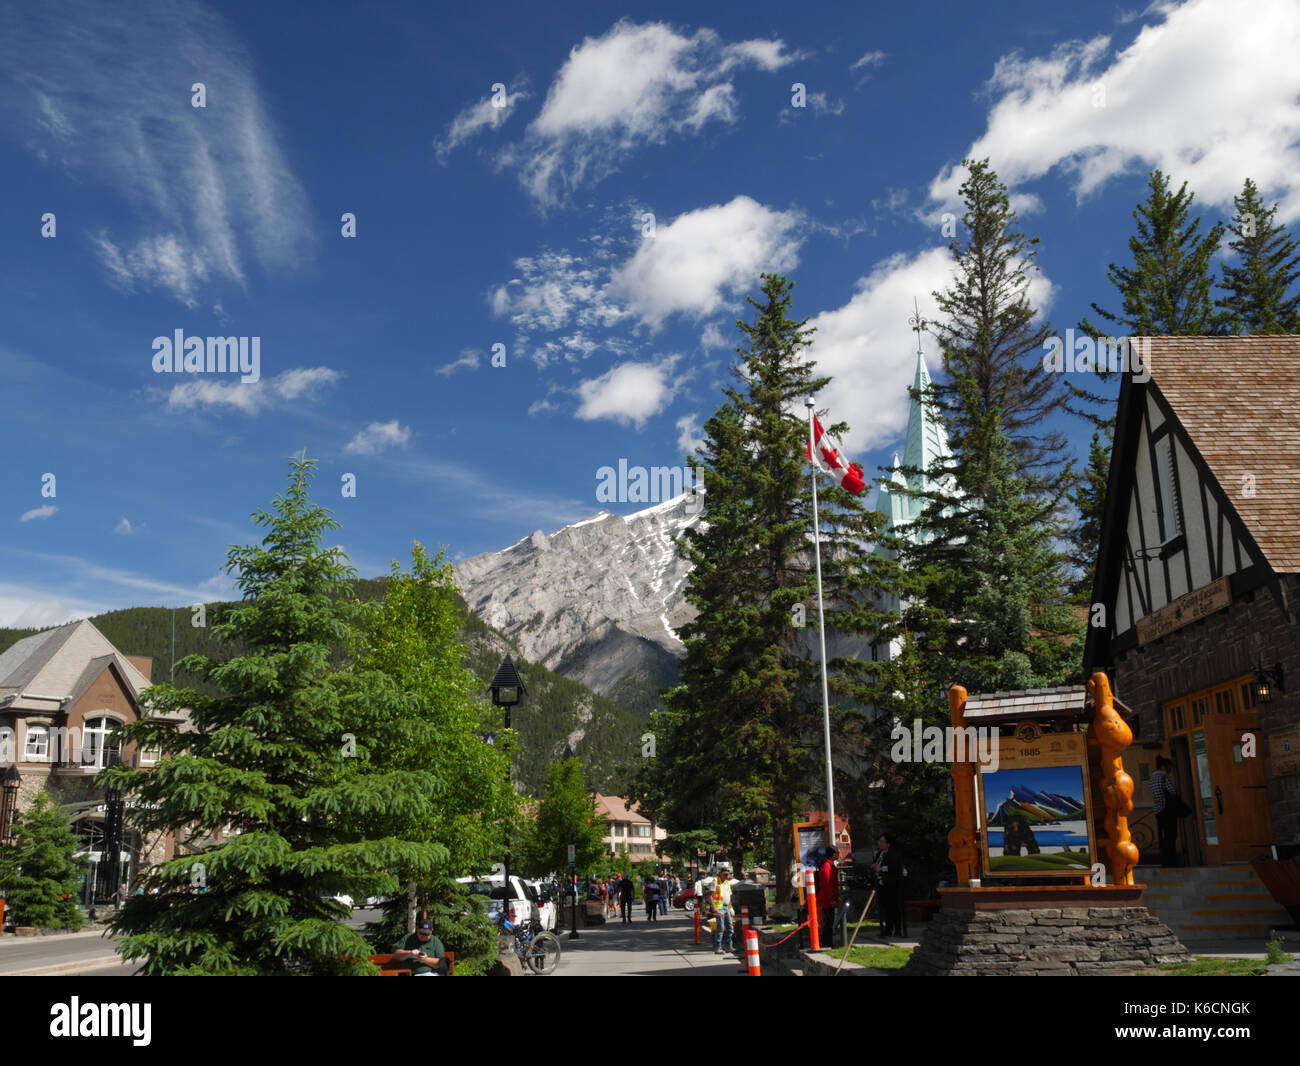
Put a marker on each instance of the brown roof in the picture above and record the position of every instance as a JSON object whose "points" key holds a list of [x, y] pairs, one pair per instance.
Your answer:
{"points": [[615, 809], [1239, 400]]}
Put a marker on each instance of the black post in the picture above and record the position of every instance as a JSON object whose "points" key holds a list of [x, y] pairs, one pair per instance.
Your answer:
{"points": [[573, 887]]}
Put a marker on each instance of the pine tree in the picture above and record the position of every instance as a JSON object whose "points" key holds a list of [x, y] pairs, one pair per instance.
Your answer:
{"points": [[279, 759], [1089, 498], [39, 872], [1167, 291], [990, 335], [1258, 286], [991, 605], [739, 746]]}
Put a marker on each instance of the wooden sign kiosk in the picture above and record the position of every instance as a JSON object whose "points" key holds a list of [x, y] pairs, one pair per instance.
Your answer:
{"points": [[1088, 916]]}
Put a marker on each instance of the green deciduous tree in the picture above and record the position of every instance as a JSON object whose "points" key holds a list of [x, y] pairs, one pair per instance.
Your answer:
{"points": [[567, 814], [270, 783], [1259, 297], [39, 872]]}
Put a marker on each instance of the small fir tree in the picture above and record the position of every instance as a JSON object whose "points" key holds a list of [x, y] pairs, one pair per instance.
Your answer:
{"points": [[39, 872], [1259, 286]]}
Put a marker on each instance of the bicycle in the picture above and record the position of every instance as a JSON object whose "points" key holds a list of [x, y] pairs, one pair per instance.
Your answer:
{"points": [[539, 952]]}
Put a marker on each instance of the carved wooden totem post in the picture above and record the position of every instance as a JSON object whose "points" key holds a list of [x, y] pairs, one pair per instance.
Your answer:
{"points": [[961, 838], [1113, 735]]}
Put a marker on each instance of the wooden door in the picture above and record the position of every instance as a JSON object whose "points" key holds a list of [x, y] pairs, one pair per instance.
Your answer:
{"points": [[1240, 786]]}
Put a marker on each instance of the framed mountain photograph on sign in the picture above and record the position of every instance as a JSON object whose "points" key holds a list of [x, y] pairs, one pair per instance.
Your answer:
{"points": [[1035, 821]]}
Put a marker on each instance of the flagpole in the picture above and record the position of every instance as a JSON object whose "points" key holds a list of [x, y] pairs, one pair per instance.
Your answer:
{"points": [[821, 629]]}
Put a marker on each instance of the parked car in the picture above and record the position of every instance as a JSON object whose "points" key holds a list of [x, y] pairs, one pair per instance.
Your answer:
{"points": [[545, 900], [685, 899], [518, 900]]}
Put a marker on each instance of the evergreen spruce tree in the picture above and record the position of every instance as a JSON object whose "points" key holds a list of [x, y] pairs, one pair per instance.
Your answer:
{"points": [[39, 871], [1168, 289], [991, 606], [739, 749], [1089, 498], [991, 339], [278, 759], [1259, 297]]}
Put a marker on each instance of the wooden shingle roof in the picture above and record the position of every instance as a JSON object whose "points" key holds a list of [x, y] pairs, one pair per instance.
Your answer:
{"points": [[1238, 398]]}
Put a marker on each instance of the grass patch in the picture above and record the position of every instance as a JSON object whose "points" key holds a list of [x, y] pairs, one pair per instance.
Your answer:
{"points": [[1203, 966], [879, 958]]}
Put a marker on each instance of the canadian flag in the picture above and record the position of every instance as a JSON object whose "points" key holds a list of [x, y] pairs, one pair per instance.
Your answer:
{"points": [[824, 454]]}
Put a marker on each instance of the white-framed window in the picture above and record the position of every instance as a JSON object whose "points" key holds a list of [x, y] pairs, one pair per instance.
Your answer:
{"points": [[37, 746], [98, 743], [149, 756]]}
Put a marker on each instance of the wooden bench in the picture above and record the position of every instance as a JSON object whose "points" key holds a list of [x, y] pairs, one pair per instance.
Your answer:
{"points": [[389, 966]]}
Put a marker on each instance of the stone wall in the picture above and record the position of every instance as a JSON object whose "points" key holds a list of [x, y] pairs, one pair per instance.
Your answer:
{"points": [[1214, 650], [1048, 941]]}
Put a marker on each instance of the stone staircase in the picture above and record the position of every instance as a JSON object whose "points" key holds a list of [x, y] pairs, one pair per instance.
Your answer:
{"points": [[1211, 902]]}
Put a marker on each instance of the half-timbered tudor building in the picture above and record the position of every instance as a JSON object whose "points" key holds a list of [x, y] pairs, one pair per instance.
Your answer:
{"points": [[1198, 586]]}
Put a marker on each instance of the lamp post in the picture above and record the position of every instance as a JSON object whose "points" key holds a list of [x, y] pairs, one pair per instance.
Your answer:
{"points": [[573, 885], [9, 802], [507, 691], [1266, 681]]}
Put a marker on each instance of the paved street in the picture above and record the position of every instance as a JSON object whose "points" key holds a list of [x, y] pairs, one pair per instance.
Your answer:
{"points": [[54, 955], [642, 948]]}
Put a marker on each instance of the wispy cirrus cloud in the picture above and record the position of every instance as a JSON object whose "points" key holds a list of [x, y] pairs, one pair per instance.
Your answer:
{"points": [[98, 93], [44, 511], [634, 86], [490, 113]]}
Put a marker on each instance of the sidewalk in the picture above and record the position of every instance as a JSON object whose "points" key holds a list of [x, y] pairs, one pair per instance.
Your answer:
{"points": [[660, 948]]}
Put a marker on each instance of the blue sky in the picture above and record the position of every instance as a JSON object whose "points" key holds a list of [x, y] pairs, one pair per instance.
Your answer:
{"points": [[525, 225]]}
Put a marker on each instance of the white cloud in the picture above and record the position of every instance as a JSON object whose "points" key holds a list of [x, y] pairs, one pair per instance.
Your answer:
{"points": [[868, 347], [251, 397], [35, 608], [629, 392], [161, 262], [712, 338], [690, 434], [704, 257], [869, 60], [124, 527], [108, 98], [468, 360], [636, 85], [481, 115], [1206, 95], [378, 437], [552, 291], [38, 512]]}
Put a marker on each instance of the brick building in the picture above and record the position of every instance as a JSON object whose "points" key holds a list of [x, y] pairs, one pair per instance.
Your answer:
{"points": [[63, 693], [1199, 577]]}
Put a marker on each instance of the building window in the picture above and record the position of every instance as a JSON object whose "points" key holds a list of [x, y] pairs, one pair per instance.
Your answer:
{"points": [[149, 756], [1171, 512], [99, 744], [37, 748]]}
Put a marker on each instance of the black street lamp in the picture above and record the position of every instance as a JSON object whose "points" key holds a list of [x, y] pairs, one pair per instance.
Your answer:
{"points": [[507, 691], [573, 885], [9, 802]]}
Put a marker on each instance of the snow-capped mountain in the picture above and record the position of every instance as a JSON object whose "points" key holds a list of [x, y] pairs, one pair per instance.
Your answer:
{"points": [[597, 601]]}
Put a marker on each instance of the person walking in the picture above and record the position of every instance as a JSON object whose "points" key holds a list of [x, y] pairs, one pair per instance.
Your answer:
{"points": [[625, 894], [663, 896], [1169, 808], [650, 890]]}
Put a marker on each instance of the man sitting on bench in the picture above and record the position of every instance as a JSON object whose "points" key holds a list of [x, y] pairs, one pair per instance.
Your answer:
{"points": [[421, 950]]}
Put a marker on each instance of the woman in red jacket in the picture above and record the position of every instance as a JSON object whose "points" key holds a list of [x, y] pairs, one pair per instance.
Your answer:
{"points": [[828, 885]]}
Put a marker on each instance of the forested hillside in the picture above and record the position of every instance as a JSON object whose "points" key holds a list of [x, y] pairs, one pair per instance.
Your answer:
{"points": [[557, 712]]}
